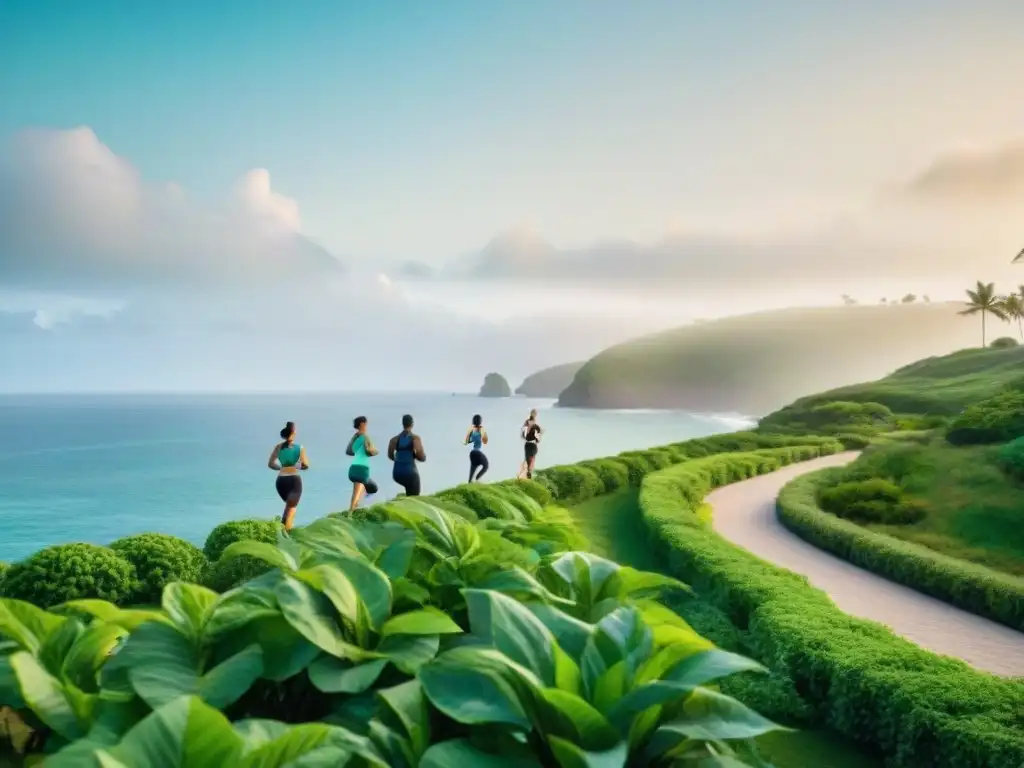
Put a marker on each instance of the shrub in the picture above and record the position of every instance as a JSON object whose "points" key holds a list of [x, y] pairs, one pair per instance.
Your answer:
{"points": [[491, 501], [159, 559], [536, 491], [70, 572], [228, 533], [920, 709], [1011, 458], [225, 575], [613, 474], [1004, 342], [571, 484], [997, 419], [839, 416], [875, 500], [973, 587]]}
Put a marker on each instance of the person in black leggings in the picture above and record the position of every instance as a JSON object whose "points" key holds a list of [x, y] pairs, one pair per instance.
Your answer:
{"points": [[288, 458], [405, 449], [478, 463], [531, 433]]}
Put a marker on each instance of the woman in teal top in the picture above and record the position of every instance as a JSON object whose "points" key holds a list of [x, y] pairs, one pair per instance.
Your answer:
{"points": [[361, 448], [288, 458]]}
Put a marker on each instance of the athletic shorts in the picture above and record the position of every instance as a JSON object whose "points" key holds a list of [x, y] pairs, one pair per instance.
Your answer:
{"points": [[358, 473], [289, 488], [408, 479], [530, 450]]}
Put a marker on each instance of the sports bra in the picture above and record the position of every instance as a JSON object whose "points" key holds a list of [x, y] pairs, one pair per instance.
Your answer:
{"points": [[289, 455]]}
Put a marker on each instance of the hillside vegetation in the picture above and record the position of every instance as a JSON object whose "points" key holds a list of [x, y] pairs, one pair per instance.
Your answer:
{"points": [[549, 382], [941, 386], [758, 362]]}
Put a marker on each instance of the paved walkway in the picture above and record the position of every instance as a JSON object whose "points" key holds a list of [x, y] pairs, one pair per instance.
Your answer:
{"points": [[744, 513]]}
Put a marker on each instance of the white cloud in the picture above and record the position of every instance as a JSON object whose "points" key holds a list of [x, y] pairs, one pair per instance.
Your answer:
{"points": [[75, 215]]}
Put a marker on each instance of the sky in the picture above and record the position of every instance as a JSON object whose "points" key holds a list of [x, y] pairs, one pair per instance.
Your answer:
{"points": [[496, 185]]}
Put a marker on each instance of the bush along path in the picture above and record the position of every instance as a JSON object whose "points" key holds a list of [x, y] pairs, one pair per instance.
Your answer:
{"points": [[745, 514], [918, 709]]}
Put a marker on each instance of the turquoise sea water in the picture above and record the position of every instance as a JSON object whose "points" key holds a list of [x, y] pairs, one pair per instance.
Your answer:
{"points": [[98, 467]]}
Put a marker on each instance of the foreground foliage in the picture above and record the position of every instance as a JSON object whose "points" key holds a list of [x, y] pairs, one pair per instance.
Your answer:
{"points": [[388, 642]]}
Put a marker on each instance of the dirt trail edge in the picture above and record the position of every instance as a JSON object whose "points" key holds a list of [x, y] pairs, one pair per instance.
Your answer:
{"points": [[744, 513]]}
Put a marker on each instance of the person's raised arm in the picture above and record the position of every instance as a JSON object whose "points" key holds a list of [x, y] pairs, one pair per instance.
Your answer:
{"points": [[351, 451], [417, 448], [483, 435], [371, 449], [272, 461], [392, 447], [468, 433], [303, 460]]}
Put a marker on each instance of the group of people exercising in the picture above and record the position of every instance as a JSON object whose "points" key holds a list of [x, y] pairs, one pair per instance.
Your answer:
{"points": [[405, 450]]}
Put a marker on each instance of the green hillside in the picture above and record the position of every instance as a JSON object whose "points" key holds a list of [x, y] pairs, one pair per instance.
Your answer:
{"points": [[756, 363], [941, 386], [549, 382]]}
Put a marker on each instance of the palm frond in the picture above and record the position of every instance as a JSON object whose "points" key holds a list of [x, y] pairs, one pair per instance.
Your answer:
{"points": [[1019, 257]]}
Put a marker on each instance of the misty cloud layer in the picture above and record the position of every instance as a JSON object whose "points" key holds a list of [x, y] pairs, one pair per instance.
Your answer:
{"points": [[108, 280]]}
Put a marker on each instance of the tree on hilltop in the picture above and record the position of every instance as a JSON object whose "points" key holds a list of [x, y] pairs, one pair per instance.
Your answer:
{"points": [[982, 300], [908, 299], [1013, 306], [848, 300]]}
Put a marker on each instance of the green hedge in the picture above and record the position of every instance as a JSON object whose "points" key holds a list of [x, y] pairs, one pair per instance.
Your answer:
{"points": [[1011, 458], [973, 587], [65, 572], [994, 420], [922, 710], [159, 559]]}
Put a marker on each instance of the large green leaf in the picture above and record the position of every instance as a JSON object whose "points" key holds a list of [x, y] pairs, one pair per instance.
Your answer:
{"points": [[57, 645], [264, 551], [312, 614], [409, 652], [285, 652], [570, 755], [371, 585], [89, 653], [619, 636], [428, 621], [46, 696], [712, 716], [272, 745], [570, 633], [704, 667], [27, 624], [129, 618], [396, 558], [470, 686], [405, 709], [333, 675], [189, 607], [335, 586], [518, 583], [512, 629], [572, 718], [184, 733], [163, 665], [10, 691], [462, 753], [237, 608]]}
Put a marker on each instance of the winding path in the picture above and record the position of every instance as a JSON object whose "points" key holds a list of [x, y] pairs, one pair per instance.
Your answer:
{"points": [[744, 513]]}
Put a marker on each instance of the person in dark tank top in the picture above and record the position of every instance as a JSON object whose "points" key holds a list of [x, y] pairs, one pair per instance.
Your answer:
{"points": [[288, 458], [531, 433], [405, 450]]}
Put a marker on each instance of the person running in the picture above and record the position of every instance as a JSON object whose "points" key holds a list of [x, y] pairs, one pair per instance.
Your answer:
{"points": [[361, 448], [288, 458], [530, 433], [405, 449], [477, 435]]}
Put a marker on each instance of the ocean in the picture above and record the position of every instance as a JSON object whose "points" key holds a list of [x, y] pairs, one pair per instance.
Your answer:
{"points": [[97, 467]]}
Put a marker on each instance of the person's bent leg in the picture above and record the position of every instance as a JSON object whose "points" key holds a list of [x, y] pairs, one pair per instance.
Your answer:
{"points": [[412, 484], [484, 466]]}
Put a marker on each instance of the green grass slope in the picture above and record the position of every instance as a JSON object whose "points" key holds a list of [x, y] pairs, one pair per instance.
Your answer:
{"points": [[549, 382], [941, 386], [759, 362]]}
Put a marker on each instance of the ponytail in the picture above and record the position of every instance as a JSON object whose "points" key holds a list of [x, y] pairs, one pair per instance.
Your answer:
{"points": [[287, 434]]}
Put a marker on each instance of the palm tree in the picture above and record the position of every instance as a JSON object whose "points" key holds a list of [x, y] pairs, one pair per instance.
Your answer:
{"points": [[983, 300], [1013, 306]]}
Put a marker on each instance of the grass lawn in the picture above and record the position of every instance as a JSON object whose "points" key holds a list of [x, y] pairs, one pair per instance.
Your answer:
{"points": [[613, 526], [975, 512]]}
